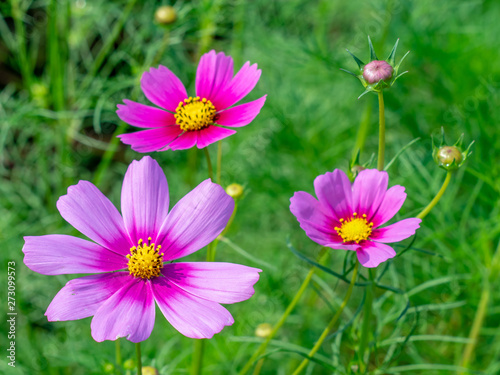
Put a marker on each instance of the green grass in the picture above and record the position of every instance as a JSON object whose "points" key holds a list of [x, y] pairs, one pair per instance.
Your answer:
{"points": [[57, 117]]}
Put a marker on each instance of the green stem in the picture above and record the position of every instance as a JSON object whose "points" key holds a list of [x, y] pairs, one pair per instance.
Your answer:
{"points": [[362, 130], [282, 320], [197, 364], [365, 328], [381, 132], [438, 196], [24, 64], [219, 161], [209, 163], [118, 356], [332, 323], [139, 359]]}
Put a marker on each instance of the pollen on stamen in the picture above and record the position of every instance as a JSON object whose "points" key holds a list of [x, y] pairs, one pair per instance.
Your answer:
{"points": [[145, 260], [354, 229], [194, 114]]}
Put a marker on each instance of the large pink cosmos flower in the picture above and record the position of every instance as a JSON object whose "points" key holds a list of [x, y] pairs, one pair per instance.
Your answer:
{"points": [[131, 252], [187, 121], [348, 217]]}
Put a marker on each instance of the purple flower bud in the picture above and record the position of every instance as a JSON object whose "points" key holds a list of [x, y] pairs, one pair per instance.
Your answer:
{"points": [[376, 71]]}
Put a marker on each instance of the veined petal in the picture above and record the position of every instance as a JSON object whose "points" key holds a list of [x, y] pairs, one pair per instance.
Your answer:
{"points": [[371, 254], [396, 232], [217, 282], [243, 82], [80, 298], [212, 134], [195, 221], [192, 316], [184, 141], [58, 254], [91, 213], [368, 191], [214, 73], [391, 204], [144, 116], [144, 198], [151, 139], [163, 88], [333, 190], [242, 114], [130, 313]]}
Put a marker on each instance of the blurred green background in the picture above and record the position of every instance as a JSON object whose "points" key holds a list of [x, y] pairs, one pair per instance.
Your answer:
{"points": [[64, 65]]}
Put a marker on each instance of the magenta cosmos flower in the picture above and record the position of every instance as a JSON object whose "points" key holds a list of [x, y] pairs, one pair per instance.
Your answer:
{"points": [[183, 121], [131, 255], [348, 216]]}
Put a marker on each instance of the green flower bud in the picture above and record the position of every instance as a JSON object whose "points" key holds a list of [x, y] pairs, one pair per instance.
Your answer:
{"points": [[129, 364], [109, 368], [148, 370], [263, 330], [235, 191], [377, 75], [165, 15], [450, 158]]}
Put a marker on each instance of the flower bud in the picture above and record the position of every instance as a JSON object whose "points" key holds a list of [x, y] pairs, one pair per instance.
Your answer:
{"points": [[263, 330], [148, 370], [447, 157], [376, 71], [165, 15], [235, 191], [109, 368], [129, 364], [377, 75]]}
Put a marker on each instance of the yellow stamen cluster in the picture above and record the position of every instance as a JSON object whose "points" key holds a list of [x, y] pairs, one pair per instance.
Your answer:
{"points": [[145, 260], [194, 114], [355, 229]]}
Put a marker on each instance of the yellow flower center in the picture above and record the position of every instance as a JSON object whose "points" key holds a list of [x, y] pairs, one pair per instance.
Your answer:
{"points": [[145, 260], [354, 229], [194, 114]]}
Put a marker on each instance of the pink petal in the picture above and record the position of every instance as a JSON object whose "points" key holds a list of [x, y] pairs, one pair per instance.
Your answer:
{"points": [[130, 313], [368, 191], [184, 141], [145, 199], [144, 116], [195, 221], [163, 88], [371, 254], [91, 213], [397, 231], [81, 298], [243, 82], [214, 73], [58, 254], [242, 114], [391, 204], [192, 316], [333, 190], [152, 139], [212, 134], [217, 282]]}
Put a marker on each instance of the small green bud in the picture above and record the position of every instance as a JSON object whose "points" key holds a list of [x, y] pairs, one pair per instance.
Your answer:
{"points": [[129, 364], [447, 157], [109, 368], [235, 191], [377, 75], [165, 15], [263, 330], [148, 370]]}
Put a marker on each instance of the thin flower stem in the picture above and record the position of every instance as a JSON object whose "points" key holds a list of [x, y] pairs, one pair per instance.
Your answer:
{"points": [[332, 323], [381, 132], [209, 163], [139, 359], [282, 320], [365, 328], [24, 63], [363, 130], [118, 356], [197, 364], [438, 196], [219, 161]]}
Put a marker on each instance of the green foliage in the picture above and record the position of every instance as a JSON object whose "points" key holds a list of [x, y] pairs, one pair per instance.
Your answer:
{"points": [[64, 65]]}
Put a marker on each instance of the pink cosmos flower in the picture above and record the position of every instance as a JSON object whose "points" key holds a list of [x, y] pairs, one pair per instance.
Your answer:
{"points": [[348, 216], [183, 121], [130, 255]]}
